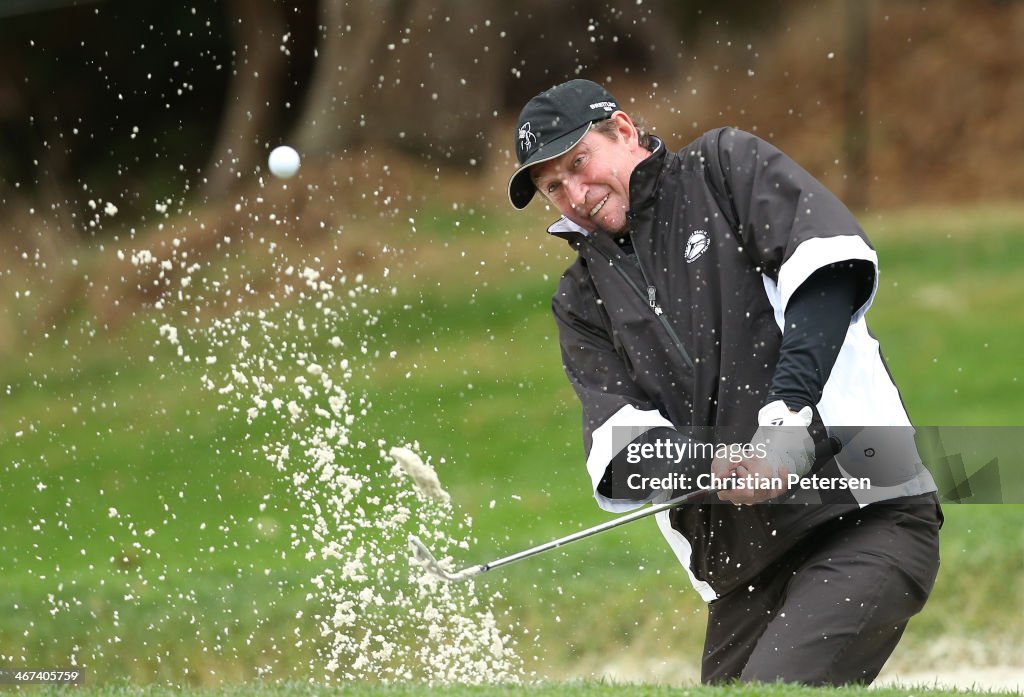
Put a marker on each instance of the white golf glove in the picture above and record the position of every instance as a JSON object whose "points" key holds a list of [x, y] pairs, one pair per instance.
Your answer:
{"points": [[785, 437]]}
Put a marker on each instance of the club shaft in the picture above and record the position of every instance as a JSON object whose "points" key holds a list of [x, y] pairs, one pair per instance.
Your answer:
{"points": [[581, 534]]}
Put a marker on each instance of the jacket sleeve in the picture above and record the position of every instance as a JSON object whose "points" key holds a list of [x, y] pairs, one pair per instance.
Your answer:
{"points": [[817, 320], [615, 410], [788, 223]]}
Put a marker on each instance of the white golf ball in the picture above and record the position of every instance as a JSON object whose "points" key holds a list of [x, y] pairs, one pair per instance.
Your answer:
{"points": [[283, 161]]}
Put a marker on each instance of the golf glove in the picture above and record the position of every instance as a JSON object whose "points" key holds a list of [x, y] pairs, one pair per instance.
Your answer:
{"points": [[786, 440]]}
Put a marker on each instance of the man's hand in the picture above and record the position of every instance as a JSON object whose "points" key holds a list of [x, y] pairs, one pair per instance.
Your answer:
{"points": [[785, 437], [753, 473], [787, 446]]}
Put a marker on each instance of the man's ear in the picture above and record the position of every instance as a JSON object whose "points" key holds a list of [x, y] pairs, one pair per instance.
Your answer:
{"points": [[625, 128]]}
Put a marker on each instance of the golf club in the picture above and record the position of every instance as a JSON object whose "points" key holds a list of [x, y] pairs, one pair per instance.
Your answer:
{"points": [[822, 450]]}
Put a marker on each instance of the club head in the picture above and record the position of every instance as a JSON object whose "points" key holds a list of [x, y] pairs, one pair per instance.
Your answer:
{"points": [[425, 559]]}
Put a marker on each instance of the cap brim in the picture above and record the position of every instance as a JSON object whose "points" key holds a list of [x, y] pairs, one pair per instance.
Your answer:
{"points": [[520, 185]]}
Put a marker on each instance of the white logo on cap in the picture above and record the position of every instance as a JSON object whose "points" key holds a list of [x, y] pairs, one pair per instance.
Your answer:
{"points": [[526, 137], [607, 106]]}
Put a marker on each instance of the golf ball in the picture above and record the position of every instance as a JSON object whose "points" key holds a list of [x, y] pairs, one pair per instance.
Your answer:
{"points": [[283, 161]]}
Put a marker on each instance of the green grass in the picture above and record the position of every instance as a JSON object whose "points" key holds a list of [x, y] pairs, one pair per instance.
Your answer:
{"points": [[948, 314], [216, 590], [580, 689]]}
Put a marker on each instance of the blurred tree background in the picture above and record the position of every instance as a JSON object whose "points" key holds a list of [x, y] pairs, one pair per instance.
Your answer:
{"points": [[123, 96]]}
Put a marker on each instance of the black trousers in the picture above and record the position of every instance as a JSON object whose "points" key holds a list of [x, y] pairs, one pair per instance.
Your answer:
{"points": [[833, 609]]}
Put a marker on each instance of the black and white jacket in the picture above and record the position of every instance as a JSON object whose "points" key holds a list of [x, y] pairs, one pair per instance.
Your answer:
{"points": [[686, 333]]}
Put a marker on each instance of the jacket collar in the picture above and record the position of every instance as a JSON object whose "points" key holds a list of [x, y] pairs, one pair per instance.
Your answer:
{"points": [[566, 229], [646, 178], [643, 189]]}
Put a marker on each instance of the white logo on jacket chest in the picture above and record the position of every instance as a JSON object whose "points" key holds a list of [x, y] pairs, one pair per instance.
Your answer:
{"points": [[696, 245]]}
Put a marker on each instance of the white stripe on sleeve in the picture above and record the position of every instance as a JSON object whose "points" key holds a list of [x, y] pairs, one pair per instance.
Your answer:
{"points": [[611, 437], [819, 252]]}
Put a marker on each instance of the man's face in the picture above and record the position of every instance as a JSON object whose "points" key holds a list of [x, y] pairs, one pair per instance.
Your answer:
{"points": [[589, 184]]}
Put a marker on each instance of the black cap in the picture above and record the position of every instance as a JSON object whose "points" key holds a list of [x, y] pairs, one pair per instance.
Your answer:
{"points": [[551, 124]]}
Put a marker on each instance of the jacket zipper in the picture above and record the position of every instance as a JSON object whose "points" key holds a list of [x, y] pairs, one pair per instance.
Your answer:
{"points": [[651, 302]]}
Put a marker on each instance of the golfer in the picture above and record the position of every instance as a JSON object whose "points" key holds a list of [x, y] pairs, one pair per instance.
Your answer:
{"points": [[718, 296]]}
